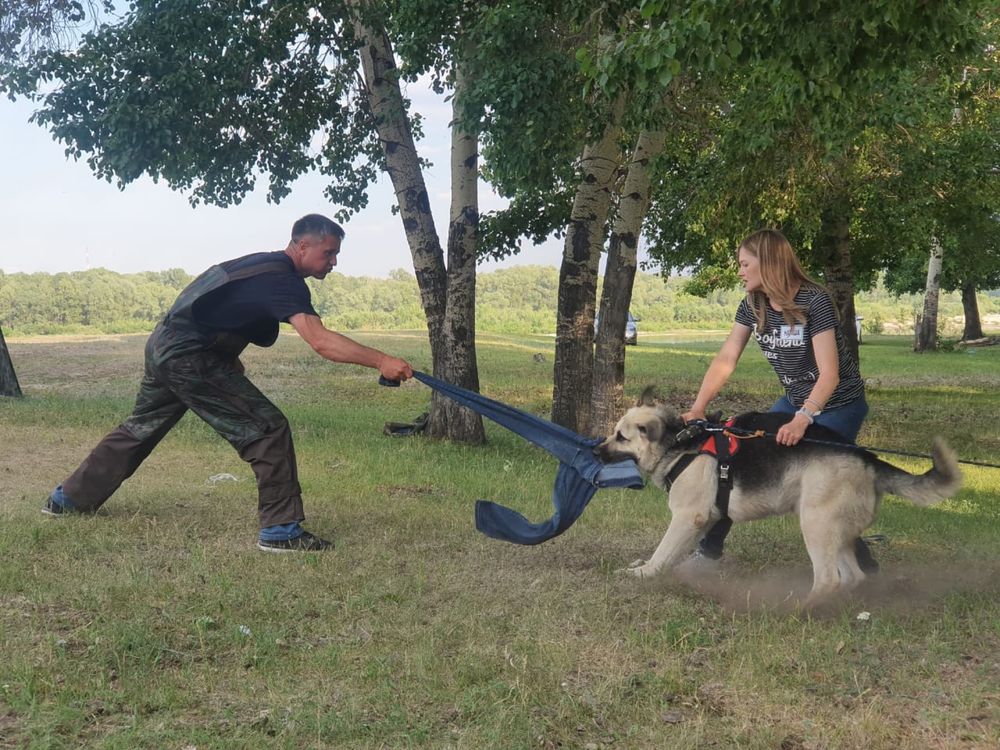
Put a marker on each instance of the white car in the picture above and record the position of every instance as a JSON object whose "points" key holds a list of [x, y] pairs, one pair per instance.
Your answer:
{"points": [[631, 330]]}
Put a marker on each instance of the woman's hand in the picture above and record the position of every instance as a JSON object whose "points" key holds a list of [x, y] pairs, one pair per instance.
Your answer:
{"points": [[692, 415], [791, 432]]}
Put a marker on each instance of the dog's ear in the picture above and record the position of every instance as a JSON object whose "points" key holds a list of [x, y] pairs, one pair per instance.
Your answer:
{"points": [[652, 429], [649, 397], [671, 425], [715, 417]]}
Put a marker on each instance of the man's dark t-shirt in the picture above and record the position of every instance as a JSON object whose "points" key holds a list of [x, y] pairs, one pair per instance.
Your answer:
{"points": [[248, 305]]}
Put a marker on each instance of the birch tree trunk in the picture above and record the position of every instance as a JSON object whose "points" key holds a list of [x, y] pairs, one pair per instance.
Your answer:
{"points": [[926, 329], [835, 236], [574, 359], [8, 378], [460, 367], [445, 328], [608, 400], [973, 322]]}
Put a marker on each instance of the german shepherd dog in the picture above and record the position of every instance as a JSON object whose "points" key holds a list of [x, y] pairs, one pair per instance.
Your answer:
{"points": [[835, 491]]}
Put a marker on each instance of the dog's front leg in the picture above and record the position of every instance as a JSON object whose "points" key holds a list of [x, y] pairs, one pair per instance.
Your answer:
{"points": [[685, 529]]}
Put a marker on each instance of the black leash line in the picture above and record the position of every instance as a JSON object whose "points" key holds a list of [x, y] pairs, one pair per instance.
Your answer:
{"points": [[896, 453], [834, 444]]}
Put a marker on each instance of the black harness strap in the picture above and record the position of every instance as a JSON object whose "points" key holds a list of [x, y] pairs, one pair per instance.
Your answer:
{"points": [[722, 456], [725, 485], [678, 468]]}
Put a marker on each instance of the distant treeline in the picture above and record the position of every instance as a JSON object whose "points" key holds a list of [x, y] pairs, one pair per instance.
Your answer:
{"points": [[518, 300]]}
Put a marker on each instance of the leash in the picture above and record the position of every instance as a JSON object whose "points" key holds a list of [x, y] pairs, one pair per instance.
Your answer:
{"points": [[741, 433]]}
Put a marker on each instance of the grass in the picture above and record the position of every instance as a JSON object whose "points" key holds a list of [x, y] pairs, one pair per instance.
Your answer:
{"points": [[157, 624]]}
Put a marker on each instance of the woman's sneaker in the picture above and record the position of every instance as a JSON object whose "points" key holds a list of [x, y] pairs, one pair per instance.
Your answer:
{"points": [[305, 542], [866, 560]]}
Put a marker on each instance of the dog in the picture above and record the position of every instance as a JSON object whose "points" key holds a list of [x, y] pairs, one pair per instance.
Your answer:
{"points": [[835, 491]]}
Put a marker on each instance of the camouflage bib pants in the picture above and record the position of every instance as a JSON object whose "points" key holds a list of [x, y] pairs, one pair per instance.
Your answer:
{"points": [[189, 367]]}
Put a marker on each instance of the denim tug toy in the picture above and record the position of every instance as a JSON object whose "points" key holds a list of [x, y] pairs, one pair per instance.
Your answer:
{"points": [[579, 477]]}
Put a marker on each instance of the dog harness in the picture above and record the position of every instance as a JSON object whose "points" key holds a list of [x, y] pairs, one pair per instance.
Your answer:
{"points": [[722, 445]]}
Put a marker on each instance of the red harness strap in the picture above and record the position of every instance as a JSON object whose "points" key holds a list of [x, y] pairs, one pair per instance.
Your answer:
{"points": [[721, 446], [711, 446]]}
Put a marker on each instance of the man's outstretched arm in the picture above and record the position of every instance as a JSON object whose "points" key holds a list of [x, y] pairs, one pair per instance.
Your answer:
{"points": [[339, 348]]}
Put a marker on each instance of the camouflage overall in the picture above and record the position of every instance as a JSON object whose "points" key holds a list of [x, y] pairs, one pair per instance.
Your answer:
{"points": [[190, 367]]}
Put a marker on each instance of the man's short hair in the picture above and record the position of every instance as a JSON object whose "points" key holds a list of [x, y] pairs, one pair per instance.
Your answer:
{"points": [[316, 225]]}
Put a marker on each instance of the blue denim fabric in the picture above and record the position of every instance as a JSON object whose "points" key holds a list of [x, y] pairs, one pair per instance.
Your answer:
{"points": [[845, 420], [281, 532], [60, 498], [580, 474]]}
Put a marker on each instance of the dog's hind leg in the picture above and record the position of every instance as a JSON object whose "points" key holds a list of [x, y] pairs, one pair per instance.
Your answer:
{"points": [[826, 544], [847, 567]]}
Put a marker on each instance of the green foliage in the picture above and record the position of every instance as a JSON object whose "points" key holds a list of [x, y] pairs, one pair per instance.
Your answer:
{"points": [[29, 25], [96, 300], [535, 118], [209, 95], [939, 179], [805, 62], [517, 301], [917, 159]]}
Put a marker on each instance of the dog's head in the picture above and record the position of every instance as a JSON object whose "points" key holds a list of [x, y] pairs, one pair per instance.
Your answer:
{"points": [[645, 433]]}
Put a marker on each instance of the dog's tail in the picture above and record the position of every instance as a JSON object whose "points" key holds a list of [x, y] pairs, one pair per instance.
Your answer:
{"points": [[938, 484]]}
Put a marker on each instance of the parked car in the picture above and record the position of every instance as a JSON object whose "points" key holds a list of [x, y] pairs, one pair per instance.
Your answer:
{"points": [[631, 329]]}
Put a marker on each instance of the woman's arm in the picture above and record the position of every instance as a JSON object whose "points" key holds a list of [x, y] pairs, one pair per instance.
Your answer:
{"points": [[719, 371], [824, 346]]}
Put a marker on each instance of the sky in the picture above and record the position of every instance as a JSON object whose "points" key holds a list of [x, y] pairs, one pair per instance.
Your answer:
{"points": [[55, 215]]}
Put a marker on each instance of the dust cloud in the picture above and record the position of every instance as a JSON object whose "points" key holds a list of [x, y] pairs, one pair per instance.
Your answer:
{"points": [[897, 588]]}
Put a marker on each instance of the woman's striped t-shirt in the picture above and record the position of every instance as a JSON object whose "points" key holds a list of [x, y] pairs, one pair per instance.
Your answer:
{"points": [[789, 348]]}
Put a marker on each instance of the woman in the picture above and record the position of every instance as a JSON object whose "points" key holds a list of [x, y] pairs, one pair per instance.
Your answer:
{"points": [[795, 323]]}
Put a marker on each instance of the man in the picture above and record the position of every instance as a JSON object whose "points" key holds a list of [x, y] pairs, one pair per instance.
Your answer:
{"points": [[192, 362]]}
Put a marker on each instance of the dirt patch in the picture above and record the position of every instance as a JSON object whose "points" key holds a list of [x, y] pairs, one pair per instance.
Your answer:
{"points": [[93, 365], [10, 731], [407, 492], [899, 589]]}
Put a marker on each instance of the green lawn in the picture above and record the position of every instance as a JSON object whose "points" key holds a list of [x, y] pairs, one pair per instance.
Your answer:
{"points": [[157, 624]]}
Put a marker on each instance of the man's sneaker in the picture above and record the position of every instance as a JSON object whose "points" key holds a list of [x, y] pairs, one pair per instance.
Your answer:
{"points": [[52, 508], [306, 542]]}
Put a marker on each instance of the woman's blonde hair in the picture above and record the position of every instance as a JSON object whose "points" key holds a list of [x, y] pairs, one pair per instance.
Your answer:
{"points": [[781, 276]]}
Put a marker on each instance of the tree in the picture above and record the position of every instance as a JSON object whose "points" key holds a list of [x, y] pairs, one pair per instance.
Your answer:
{"points": [[29, 25], [944, 199], [926, 328], [448, 294], [798, 135], [739, 60], [209, 95], [608, 399], [25, 27], [8, 378]]}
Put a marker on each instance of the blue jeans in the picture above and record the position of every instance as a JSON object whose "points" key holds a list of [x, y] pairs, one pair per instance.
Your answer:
{"points": [[845, 420]]}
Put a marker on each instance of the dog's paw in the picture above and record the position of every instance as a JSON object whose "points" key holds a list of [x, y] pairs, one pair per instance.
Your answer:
{"points": [[632, 567], [640, 570]]}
